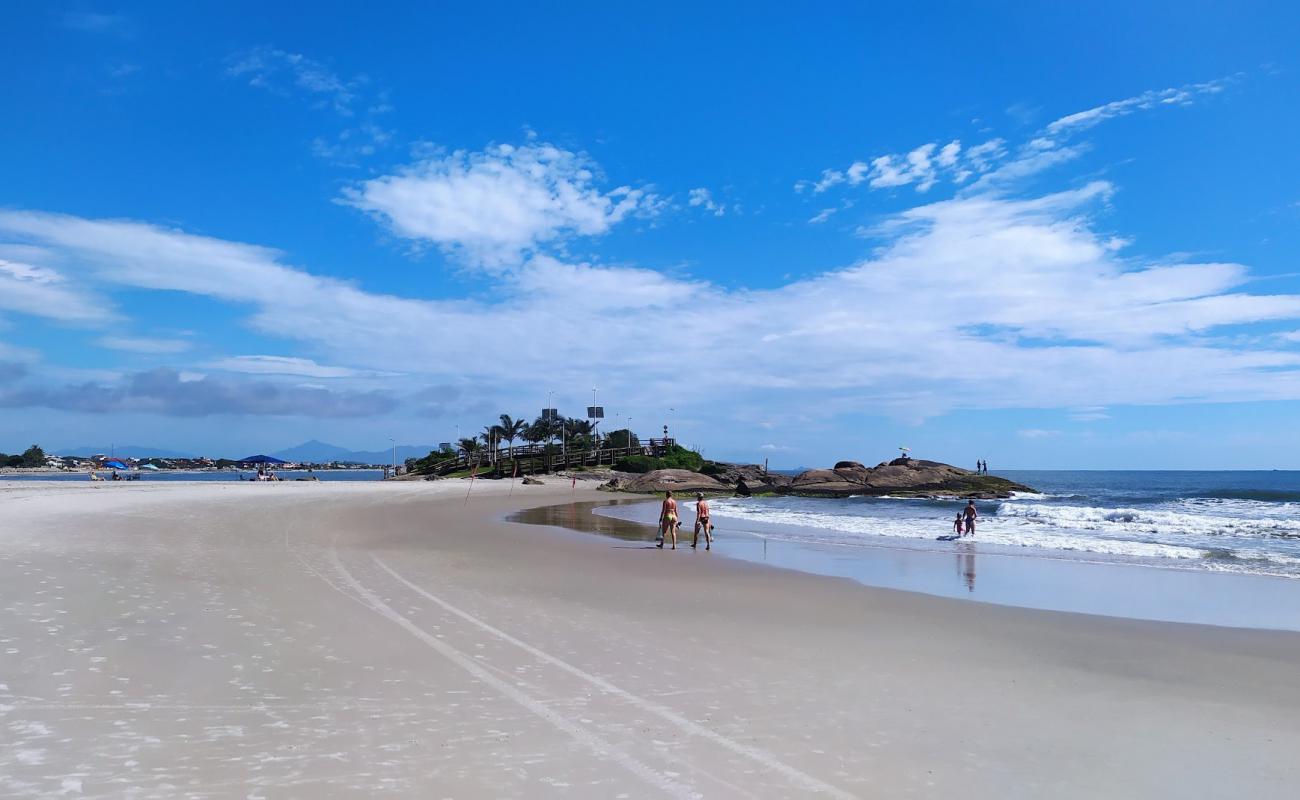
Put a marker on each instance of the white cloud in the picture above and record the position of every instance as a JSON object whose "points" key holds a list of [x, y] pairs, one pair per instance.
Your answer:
{"points": [[135, 344], [495, 206], [703, 198], [286, 365], [40, 291], [1089, 414], [929, 163], [972, 302], [277, 71], [1178, 95]]}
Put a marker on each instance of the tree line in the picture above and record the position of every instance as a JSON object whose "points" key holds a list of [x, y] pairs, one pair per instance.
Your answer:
{"points": [[33, 456]]}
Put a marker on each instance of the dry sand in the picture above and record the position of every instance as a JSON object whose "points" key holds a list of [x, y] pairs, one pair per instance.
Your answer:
{"points": [[359, 640]]}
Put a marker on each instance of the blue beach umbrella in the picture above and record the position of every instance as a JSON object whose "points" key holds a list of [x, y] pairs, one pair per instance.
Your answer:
{"points": [[115, 464]]}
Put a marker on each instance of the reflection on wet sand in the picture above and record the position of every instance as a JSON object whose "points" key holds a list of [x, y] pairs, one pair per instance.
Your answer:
{"points": [[578, 517], [966, 564]]}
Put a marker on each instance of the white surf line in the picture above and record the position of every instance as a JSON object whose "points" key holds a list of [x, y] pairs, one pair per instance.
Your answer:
{"points": [[594, 743], [801, 779]]}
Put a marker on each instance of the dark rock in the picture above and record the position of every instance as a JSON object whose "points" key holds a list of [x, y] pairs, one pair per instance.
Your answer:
{"points": [[848, 465], [531, 482]]}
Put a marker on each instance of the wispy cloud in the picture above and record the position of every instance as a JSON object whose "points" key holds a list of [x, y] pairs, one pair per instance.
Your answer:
{"points": [[703, 198], [1037, 433], [135, 344], [353, 98], [170, 393], [286, 365], [992, 162], [1157, 98]]}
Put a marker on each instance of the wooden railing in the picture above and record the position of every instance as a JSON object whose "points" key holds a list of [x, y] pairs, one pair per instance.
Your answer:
{"points": [[531, 459]]}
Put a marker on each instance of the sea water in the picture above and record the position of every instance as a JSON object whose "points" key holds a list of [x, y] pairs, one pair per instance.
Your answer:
{"points": [[1226, 521], [1220, 548]]}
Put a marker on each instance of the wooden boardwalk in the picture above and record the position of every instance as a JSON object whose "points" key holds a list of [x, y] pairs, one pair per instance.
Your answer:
{"points": [[533, 459]]}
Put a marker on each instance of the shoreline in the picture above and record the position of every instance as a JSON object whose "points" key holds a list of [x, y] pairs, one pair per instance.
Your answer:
{"points": [[1112, 589], [348, 639]]}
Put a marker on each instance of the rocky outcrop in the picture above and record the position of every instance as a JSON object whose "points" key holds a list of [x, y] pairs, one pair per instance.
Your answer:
{"points": [[682, 480], [902, 477], [906, 477]]}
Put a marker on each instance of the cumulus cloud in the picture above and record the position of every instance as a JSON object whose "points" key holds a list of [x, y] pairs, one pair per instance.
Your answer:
{"points": [[495, 206], [167, 392]]}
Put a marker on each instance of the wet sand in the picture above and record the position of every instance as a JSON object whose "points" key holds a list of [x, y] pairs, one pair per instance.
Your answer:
{"points": [[360, 640]]}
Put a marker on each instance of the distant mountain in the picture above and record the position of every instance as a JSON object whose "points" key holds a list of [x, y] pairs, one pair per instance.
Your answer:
{"points": [[123, 451], [320, 452]]}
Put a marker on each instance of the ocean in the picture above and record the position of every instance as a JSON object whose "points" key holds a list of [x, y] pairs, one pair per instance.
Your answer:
{"points": [[1223, 521], [1217, 548]]}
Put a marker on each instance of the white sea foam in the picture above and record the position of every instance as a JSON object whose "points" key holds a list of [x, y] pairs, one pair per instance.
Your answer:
{"points": [[1238, 535], [1151, 520]]}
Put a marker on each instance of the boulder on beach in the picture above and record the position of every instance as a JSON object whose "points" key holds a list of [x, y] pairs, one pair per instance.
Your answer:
{"points": [[675, 479]]}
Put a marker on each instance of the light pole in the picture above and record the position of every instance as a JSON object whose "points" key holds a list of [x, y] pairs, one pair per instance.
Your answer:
{"points": [[393, 442], [593, 419], [670, 422], [629, 431]]}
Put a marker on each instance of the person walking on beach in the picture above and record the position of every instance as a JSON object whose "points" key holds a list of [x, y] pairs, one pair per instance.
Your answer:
{"points": [[702, 521], [970, 513], [668, 520]]}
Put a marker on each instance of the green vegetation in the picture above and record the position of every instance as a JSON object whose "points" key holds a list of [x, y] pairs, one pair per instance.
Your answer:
{"points": [[544, 437], [677, 457], [33, 456]]}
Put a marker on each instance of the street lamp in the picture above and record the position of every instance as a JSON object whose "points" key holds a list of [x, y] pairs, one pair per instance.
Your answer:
{"points": [[393, 442], [629, 431]]}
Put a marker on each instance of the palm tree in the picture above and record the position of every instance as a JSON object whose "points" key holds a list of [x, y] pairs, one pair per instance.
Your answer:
{"points": [[470, 447], [510, 430]]}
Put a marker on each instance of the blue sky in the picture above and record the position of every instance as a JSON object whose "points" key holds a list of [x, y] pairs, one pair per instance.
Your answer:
{"points": [[1047, 237]]}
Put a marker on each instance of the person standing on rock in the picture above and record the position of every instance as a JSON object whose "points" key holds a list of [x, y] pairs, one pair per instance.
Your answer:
{"points": [[702, 521], [970, 513], [668, 520]]}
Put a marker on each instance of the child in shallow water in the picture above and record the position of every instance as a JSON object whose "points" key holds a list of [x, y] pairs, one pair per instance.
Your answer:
{"points": [[957, 525]]}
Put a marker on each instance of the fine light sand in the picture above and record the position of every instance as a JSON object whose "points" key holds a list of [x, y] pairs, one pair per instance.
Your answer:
{"points": [[360, 640]]}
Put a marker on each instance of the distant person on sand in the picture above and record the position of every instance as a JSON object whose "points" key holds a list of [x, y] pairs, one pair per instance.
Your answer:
{"points": [[668, 520], [970, 513], [702, 521]]}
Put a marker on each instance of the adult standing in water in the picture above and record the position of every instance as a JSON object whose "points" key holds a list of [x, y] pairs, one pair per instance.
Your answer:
{"points": [[668, 520], [970, 513], [702, 521]]}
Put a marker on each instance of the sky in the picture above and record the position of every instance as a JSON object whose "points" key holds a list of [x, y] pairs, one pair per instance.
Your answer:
{"points": [[1046, 236]]}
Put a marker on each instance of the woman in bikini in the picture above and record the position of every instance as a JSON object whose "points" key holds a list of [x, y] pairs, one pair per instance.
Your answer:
{"points": [[702, 521], [668, 520]]}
